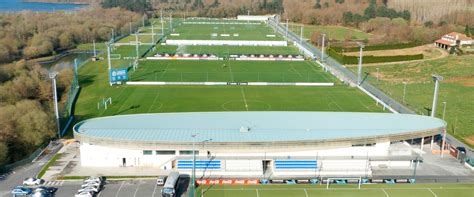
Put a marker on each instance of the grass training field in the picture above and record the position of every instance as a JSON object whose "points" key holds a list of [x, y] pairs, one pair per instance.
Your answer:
{"points": [[332, 32], [457, 89], [227, 50], [126, 99], [229, 71], [376, 190], [206, 31]]}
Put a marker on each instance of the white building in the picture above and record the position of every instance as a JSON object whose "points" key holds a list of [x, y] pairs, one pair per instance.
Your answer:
{"points": [[252, 144], [452, 39]]}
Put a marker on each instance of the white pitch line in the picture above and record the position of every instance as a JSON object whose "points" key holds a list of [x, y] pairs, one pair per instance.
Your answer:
{"points": [[139, 183], [118, 191], [245, 100], [154, 189], [257, 193], [306, 192], [386, 194], [432, 192]]}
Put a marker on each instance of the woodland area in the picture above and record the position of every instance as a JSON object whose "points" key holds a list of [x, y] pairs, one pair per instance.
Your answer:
{"points": [[26, 115]]}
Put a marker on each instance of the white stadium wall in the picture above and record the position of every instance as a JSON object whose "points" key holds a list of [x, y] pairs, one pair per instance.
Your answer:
{"points": [[253, 18], [227, 42]]}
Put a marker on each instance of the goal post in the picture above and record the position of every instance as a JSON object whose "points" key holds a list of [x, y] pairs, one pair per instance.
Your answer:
{"points": [[347, 180]]}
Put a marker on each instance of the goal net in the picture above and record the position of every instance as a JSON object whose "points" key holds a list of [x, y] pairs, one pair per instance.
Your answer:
{"points": [[343, 181]]}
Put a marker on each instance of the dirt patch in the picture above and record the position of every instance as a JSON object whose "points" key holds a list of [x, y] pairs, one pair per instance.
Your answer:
{"points": [[470, 139], [467, 81]]}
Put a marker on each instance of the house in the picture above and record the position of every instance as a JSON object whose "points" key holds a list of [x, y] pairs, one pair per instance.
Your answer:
{"points": [[452, 39]]}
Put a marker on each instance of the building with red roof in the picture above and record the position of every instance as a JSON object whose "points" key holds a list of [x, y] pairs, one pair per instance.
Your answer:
{"points": [[452, 39]]}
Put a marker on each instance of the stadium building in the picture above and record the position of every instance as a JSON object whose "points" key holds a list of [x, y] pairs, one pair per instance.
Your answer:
{"points": [[250, 144]]}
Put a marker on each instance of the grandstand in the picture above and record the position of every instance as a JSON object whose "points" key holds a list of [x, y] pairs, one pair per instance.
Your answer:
{"points": [[255, 144]]}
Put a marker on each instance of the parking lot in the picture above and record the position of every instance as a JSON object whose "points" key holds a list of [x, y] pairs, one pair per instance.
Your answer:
{"points": [[119, 188]]}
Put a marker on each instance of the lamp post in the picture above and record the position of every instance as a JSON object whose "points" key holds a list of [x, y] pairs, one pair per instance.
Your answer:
{"points": [[52, 76], [437, 78], [359, 69], [322, 48], [444, 109], [193, 173], [378, 74], [404, 91]]}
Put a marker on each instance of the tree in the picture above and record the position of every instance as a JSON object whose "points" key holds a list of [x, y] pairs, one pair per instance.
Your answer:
{"points": [[467, 31], [340, 1], [371, 11], [347, 18], [317, 5], [3, 152], [428, 24]]}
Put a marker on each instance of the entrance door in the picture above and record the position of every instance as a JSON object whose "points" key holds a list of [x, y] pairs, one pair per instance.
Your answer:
{"points": [[124, 162]]}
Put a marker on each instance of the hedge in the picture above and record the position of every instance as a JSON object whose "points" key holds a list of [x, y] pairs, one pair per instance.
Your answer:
{"points": [[343, 59], [377, 47]]}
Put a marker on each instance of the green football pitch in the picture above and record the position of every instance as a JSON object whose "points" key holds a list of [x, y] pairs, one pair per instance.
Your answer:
{"points": [[217, 32], [229, 71], [227, 50], [376, 190]]}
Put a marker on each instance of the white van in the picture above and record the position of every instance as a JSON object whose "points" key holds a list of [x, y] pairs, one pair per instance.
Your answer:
{"points": [[161, 180]]}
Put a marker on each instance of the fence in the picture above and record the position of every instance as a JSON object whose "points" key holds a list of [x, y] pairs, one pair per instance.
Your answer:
{"points": [[337, 69]]}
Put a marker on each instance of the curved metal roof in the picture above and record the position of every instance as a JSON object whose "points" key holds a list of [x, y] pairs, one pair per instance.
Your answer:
{"points": [[253, 126]]}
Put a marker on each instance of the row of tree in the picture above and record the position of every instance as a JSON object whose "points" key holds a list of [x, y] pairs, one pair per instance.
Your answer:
{"points": [[35, 34], [26, 115], [373, 11]]}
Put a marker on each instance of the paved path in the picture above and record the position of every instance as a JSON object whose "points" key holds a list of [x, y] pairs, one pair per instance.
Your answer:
{"points": [[16, 176]]}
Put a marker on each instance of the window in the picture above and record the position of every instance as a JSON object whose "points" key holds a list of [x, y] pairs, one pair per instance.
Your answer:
{"points": [[187, 152], [166, 152], [147, 152]]}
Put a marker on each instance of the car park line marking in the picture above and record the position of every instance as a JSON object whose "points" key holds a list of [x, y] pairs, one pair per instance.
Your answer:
{"points": [[154, 189], [139, 183], [306, 192], [386, 194], [432, 192], [118, 191]]}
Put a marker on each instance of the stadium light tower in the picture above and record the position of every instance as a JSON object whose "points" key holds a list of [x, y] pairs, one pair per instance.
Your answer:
{"points": [[152, 33], [52, 76], [444, 109], [286, 33], [437, 78], [161, 19], [136, 43], [95, 51], [322, 48], [404, 91], [193, 176], [301, 34], [359, 69]]}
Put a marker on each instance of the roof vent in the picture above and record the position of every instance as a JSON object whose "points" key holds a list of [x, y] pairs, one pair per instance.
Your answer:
{"points": [[244, 129]]}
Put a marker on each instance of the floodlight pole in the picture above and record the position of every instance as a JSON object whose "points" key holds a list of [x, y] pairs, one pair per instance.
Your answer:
{"points": [[286, 33], [109, 63], [171, 23], [52, 76], [161, 19], [322, 48], [193, 178], [152, 33], [404, 91], [130, 25], [359, 69], [436, 79], [301, 35], [444, 109], [95, 52], [136, 43], [113, 35], [248, 16], [378, 74]]}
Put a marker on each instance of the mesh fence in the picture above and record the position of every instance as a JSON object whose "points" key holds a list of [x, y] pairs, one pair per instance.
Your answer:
{"points": [[337, 69]]}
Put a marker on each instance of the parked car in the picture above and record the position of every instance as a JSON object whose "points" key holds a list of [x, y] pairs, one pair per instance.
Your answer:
{"points": [[85, 194], [94, 179], [31, 181], [89, 188], [161, 180], [51, 190], [95, 184], [41, 193], [20, 190]]}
